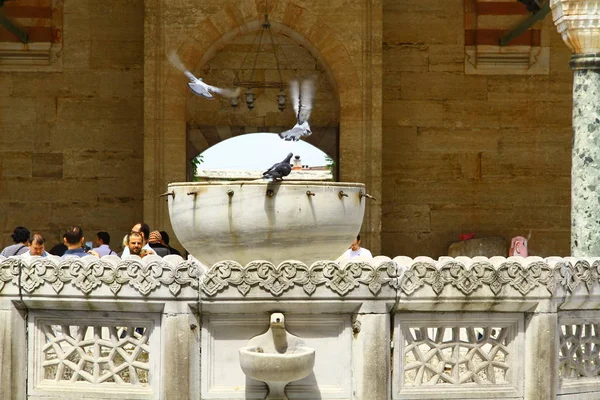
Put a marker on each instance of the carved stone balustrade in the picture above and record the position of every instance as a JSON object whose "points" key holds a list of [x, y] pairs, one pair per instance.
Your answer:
{"points": [[465, 328]]}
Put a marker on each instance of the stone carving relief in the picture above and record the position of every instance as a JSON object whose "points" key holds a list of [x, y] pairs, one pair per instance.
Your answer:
{"points": [[463, 275], [579, 351], [96, 354], [456, 355], [339, 278], [522, 275], [89, 273]]}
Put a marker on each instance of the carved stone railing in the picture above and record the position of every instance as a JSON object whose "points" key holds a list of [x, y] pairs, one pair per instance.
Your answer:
{"points": [[460, 327], [89, 274], [462, 276]]}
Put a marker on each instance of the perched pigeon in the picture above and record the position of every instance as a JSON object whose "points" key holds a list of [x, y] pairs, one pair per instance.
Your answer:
{"points": [[302, 100], [197, 85], [279, 170]]}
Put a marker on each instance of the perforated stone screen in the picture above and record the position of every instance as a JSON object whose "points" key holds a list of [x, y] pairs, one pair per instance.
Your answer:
{"points": [[94, 352], [457, 355]]}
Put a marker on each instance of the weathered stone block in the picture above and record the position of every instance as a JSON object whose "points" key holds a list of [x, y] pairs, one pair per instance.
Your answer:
{"points": [[413, 113], [406, 217], [16, 164], [529, 162], [104, 54], [47, 165], [486, 247], [446, 58], [443, 86], [458, 140]]}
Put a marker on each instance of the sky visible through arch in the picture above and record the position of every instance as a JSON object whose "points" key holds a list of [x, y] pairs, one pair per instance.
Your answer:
{"points": [[258, 151]]}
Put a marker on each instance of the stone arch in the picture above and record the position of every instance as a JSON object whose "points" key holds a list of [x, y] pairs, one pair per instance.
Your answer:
{"points": [[304, 28], [355, 67], [211, 122], [287, 17]]}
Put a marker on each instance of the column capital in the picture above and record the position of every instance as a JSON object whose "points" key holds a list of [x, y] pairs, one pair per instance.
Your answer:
{"points": [[578, 22]]}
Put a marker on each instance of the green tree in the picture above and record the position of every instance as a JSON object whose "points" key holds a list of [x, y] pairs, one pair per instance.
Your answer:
{"points": [[195, 163], [330, 164]]}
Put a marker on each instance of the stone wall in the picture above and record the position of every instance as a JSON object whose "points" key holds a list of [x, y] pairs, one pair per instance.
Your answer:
{"points": [[71, 135], [461, 153], [470, 153]]}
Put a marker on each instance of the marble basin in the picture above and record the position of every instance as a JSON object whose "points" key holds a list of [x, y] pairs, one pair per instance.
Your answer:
{"points": [[276, 367], [257, 220]]}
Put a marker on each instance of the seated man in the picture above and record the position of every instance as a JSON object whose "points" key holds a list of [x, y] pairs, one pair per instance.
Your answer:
{"points": [[37, 246], [103, 241], [144, 230], [20, 237], [135, 242], [74, 241], [356, 251]]}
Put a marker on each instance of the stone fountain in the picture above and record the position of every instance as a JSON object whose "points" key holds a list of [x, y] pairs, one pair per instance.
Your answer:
{"points": [[277, 358], [274, 221]]}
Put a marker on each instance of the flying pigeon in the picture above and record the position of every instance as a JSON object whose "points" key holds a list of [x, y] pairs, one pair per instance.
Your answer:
{"points": [[197, 85], [279, 170], [302, 100]]}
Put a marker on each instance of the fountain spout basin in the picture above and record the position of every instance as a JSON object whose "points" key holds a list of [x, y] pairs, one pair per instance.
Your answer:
{"points": [[277, 358]]}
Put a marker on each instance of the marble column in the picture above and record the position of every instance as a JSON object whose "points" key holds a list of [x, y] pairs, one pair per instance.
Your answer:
{"points": [[578, 21]]}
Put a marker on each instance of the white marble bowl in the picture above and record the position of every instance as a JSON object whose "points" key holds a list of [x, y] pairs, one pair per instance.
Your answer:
{"points": [[257, 220], [275, 369]]}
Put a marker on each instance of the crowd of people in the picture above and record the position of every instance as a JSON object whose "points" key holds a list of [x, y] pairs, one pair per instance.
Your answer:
{"points": [[140, 242]]}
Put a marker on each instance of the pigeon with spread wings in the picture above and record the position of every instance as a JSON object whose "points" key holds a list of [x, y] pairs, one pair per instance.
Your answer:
{"points": [[302, 98], [197, 85]]}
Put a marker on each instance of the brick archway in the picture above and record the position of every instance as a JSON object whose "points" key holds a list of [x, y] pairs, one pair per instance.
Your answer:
{"points": [[356, 79]]}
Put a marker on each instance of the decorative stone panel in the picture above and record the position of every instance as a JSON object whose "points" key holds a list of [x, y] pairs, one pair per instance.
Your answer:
{"points": [[579, 352], [109, 274], [262, 278], [498, 276], [94, 354], [329, 334], [485, 23], [457, 356]]}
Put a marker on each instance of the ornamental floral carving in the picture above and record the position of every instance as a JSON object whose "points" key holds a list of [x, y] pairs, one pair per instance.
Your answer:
{"points": [[276, 280], [89, 273], [512, 273]]}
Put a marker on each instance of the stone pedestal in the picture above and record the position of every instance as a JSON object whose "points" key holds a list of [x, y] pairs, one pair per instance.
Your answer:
{"points": [[578, 22]]}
